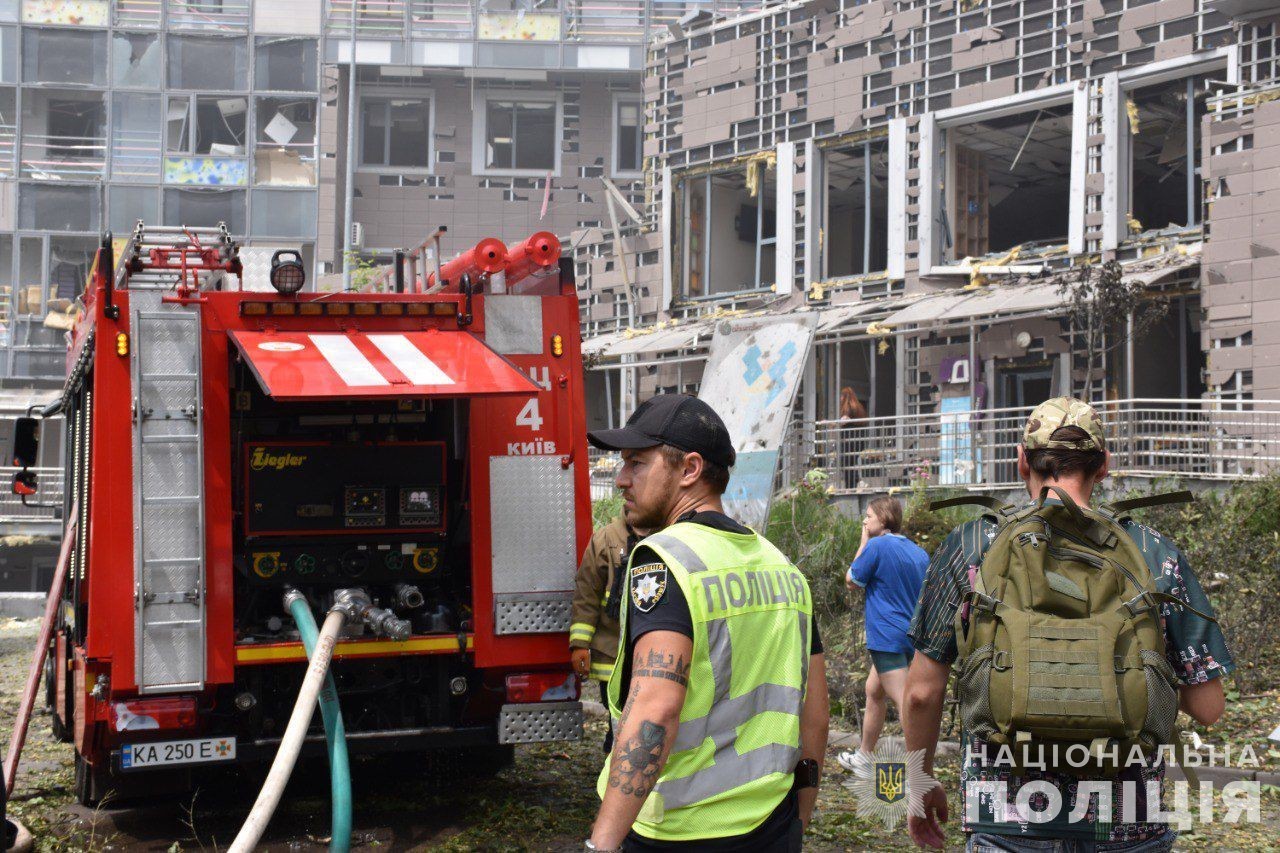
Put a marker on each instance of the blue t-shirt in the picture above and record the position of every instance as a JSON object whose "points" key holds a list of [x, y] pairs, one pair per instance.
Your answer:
{"points": [[891, 570]]}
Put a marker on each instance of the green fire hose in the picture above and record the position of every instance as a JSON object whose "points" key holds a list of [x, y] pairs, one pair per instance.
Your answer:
{"points": [[335, 735]]}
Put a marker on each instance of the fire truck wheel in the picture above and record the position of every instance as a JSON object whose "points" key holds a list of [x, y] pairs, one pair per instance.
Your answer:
{"points": [[91, 783], [56, 726]]}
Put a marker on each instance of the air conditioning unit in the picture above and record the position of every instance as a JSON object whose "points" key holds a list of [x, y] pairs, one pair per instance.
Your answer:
{"points": [[357, 235]]}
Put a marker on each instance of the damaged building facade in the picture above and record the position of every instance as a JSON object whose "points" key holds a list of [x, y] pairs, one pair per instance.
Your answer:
{"points": [[941, 184], [491, 117]]}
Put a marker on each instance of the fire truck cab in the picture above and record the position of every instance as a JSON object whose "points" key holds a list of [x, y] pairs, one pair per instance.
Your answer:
{"points": [[426, 448]]}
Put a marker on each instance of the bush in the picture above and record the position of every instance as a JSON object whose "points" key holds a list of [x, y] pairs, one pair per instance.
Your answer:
{"points": [[1232, 541], [605, 510]]}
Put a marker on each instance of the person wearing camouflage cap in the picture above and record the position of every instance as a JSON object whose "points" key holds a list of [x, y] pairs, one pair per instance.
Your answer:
{"points": [[1051, 415], [1063, 447]]}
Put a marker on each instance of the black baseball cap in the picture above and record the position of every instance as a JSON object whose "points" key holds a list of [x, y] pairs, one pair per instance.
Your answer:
{"points": [[686, 423]]}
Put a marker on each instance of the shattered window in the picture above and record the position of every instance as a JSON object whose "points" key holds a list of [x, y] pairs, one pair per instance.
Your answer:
{"points": [[1010, 182], [628, 134], [855, 229], [520, 135], [135, 60], [1164, 187], [64, 56], [730, 234], [57, 207], [395, 132], [285, 65], [8, 129], [63, 134], [205, 208], [208, 63], [206, 124], [285, 150], [8, 54]]}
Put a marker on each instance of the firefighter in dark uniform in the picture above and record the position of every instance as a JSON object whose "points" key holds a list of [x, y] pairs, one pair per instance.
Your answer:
{"points": [[593, 634]]}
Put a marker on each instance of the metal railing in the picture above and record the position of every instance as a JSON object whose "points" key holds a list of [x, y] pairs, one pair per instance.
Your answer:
{"points": [[1195, 439], [604, 468], [216, 15], [12, 510], [63, 157], [573, 21]]}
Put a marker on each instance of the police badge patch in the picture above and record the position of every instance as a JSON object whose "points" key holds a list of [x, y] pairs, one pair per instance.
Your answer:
{"points": [[648, 585]]}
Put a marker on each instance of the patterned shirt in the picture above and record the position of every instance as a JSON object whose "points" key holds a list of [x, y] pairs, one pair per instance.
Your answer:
{"points": [[1194, 647]]}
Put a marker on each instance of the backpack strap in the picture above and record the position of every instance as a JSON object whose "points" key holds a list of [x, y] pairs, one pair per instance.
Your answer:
{"points": [[1148, 600], [989, 501], [1122, 508], [1097, 531]]}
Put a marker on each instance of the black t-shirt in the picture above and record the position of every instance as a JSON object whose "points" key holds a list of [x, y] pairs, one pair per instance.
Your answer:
{"points": [[671, 611]]}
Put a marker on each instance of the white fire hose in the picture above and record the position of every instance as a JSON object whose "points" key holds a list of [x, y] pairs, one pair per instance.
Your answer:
{"points": [[296, 732]]}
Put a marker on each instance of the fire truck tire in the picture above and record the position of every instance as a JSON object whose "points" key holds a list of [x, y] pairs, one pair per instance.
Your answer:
{"points": [[56, 727], [92, 783]]}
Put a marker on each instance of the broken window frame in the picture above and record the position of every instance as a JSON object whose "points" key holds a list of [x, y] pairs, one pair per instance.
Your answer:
{"points": [[685, 202], [73, 157], [119, 79], [189, 147], [616, 169], [823, 151], [261, 54], [480, 132], [1194, 192], [305, 151], [385, 99], [1033, 113], [91, 46]]}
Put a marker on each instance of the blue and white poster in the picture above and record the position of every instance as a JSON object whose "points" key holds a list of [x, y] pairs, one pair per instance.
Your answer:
{"points": [[959, 461], [753, 370]]}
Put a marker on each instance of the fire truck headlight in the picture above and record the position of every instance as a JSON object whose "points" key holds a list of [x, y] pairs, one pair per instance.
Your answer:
{"points": [[287, 273]]}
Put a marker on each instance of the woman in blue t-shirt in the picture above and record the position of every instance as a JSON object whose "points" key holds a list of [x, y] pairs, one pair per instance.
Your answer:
{"points": [[890, 569]]}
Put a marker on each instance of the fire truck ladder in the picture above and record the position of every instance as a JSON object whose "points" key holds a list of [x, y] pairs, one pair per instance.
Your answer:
{"points": [[163, 270]]}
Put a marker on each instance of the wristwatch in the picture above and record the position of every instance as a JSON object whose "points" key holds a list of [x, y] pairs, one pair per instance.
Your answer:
{"points": [[808, 775]]}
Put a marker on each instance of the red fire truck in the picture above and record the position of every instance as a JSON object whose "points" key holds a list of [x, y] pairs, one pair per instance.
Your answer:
{"points": [[426, 448]]}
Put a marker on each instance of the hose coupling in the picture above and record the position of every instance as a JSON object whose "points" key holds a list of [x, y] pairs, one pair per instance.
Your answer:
{"points": [[408, 596], [358, 608], [290, 596]]}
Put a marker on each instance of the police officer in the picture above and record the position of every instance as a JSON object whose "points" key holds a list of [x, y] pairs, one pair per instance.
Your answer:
{"points": [[720, 692]]}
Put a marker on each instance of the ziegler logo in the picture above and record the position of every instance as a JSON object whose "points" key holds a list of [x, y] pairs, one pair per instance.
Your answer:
{"points": [[261, 460]]}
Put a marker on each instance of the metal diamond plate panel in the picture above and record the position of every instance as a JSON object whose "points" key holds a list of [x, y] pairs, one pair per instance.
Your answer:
{"points": [[513, 324], [170, 471], [171, 532], [168, 397], [173, 656], [532, 519], [167, 578], [530, 613], [168, 494], [167, 345], [544, 721]]}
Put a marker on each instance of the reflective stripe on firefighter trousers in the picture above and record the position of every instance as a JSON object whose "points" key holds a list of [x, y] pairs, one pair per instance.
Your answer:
{"points": [[738, 741]]}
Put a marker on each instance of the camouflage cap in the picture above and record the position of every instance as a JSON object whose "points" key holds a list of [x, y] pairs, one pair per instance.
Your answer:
{"points": [[1060, 412]]}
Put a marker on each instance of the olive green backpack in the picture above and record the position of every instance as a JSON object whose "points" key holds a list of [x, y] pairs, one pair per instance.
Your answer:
{"points": [[1060, 640]]}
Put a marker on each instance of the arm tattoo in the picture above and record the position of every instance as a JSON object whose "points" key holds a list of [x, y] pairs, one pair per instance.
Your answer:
{"points": [[635, 765], [660, 665]]}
